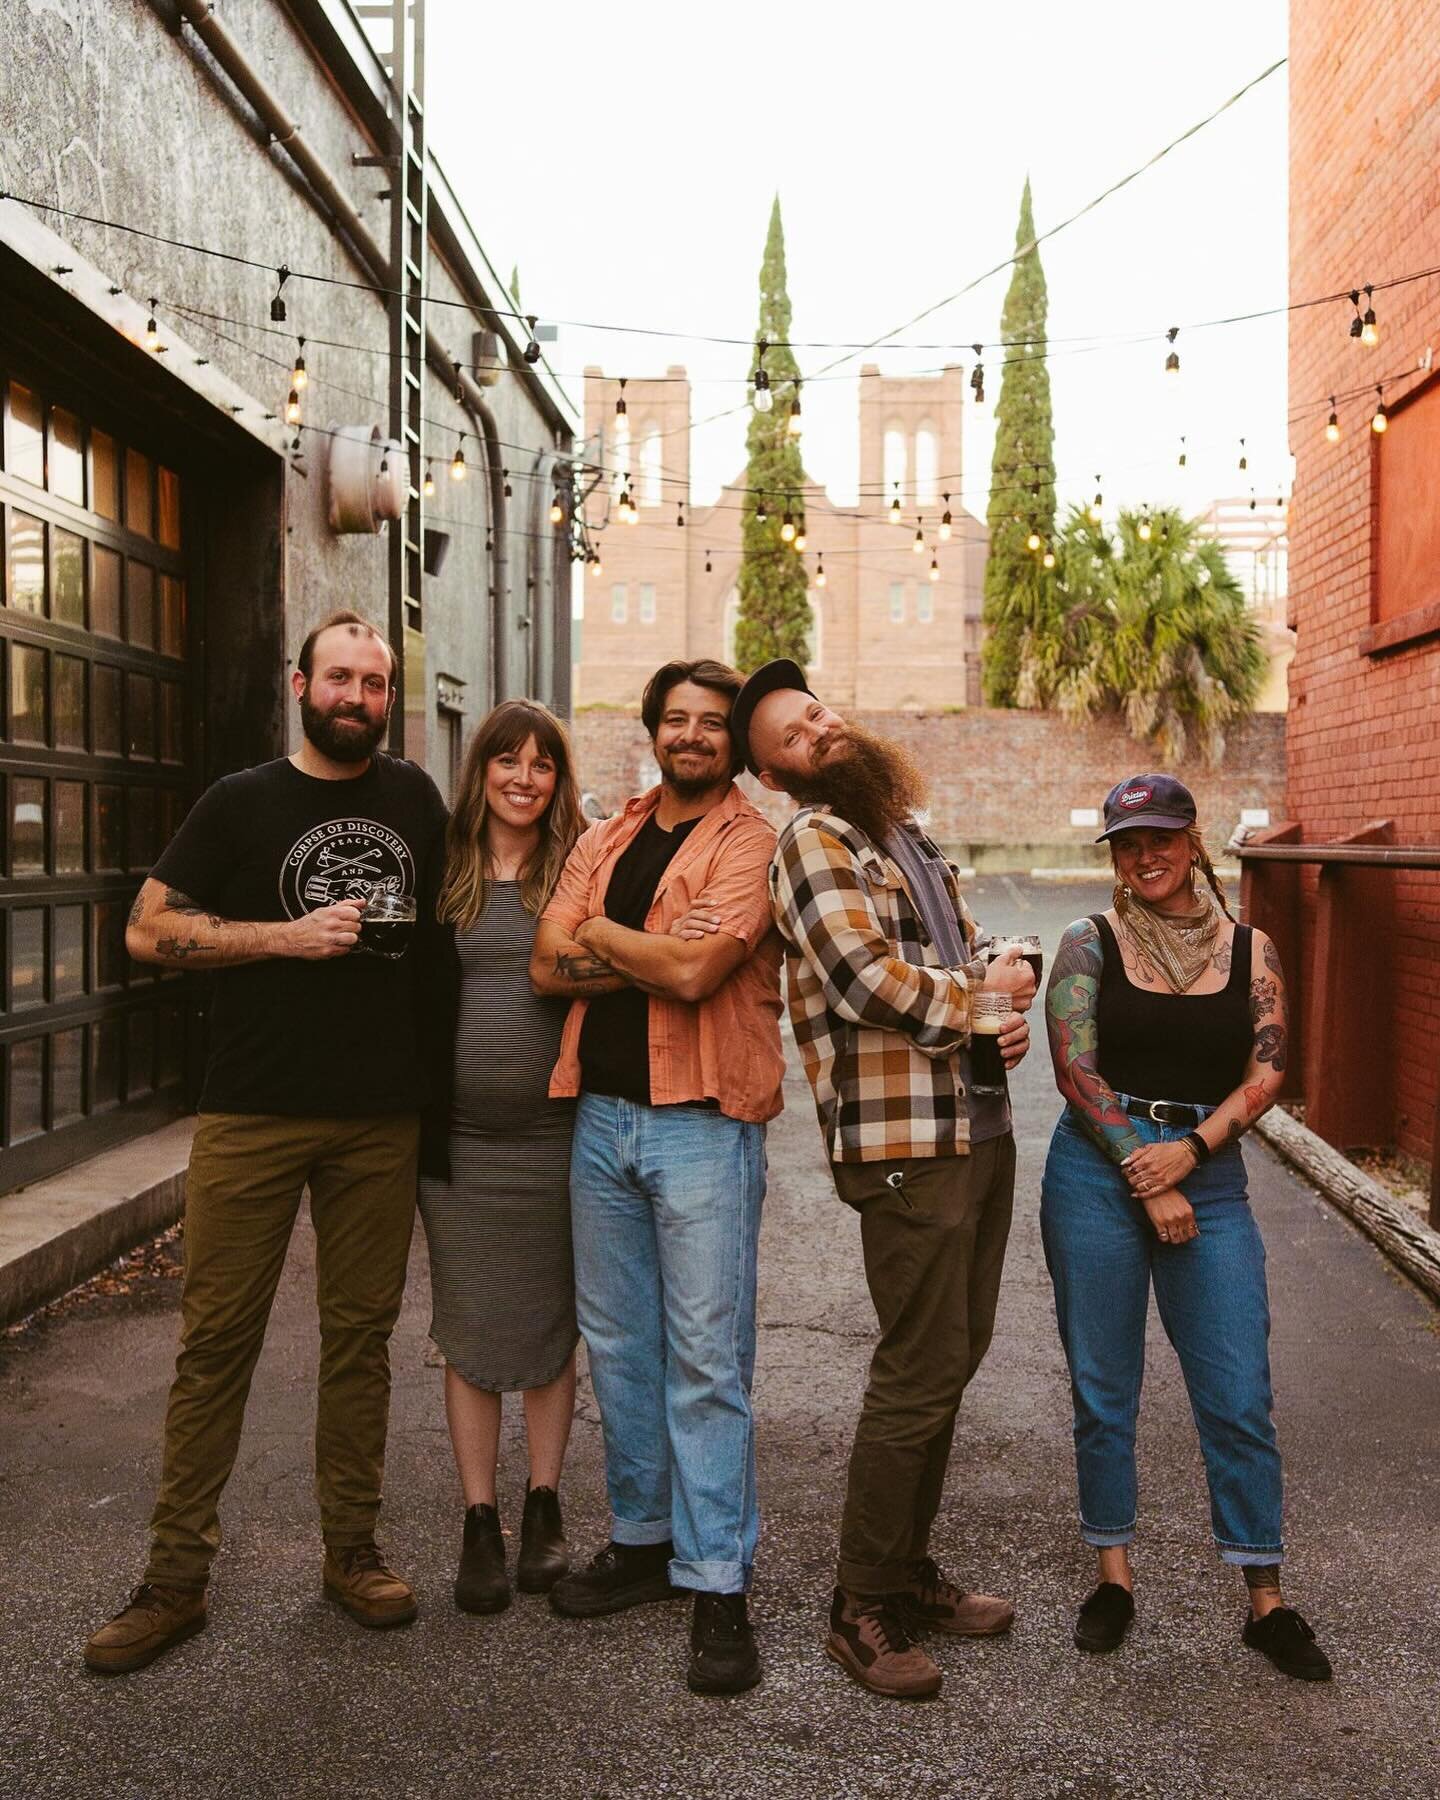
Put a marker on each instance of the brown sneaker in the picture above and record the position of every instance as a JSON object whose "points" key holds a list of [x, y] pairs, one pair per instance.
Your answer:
{"points": [[869, 1641], [932, 1603], [357, 1579], [154, 1621]]}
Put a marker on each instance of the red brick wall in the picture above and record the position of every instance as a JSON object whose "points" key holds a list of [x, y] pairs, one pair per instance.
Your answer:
{"points": [[997, 778], [1364, 729]]}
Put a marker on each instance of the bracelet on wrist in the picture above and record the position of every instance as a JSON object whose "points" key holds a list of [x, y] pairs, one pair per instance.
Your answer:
{"points": [[1199, 1149]]}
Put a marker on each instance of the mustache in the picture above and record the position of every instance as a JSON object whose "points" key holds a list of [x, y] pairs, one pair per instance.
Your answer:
{"points": [[690, 750]]}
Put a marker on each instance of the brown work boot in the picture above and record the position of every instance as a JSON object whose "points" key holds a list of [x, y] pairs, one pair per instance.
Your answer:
{"points": [[933, 1603], [154, 1621], [357, 1579], [869, 1641]]}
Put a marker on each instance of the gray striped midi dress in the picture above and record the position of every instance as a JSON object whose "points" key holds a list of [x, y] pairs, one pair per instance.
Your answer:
{"points": [[501, 1271]]}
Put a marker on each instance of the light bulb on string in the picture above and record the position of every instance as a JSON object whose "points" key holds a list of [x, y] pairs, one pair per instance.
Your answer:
{"points": [[557, 510], [1143, 529], [457, 462], [277, 304], [1244, 460], [532, 348], [787, 528], [934, 569], [977, 376], [895, 515], [1182, 452], [1369, 331], [707, 562], [760, 513], [292, 407], [427, 487], [509, 491], [918, 544], [1332, 424], [945, 524], [680, 514], [299, 378], [1172, 361], [1380, 420], [152, 329], [793, 424], [800, 539], [1357, 324], [620, 408], [762, 399], [1097, 503], [821, 578], [598, 566], [1048, 559], [1033, 541]]}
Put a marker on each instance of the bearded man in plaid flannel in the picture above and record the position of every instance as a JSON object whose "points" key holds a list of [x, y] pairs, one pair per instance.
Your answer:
{"points": [[883, 959]]}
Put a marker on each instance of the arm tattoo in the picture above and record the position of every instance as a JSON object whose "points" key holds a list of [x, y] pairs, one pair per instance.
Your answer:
{"points": [[176, 951], [1070, 1002], [1270, 1046], [178, 902], [1272, 959], [1263, 1577], [136, 910], [1263, 995], [1257, 1098], [584, 971], [1221, 959]]}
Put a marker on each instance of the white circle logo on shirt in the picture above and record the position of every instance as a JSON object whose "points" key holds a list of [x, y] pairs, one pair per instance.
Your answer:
{"points": [[344, 859]]}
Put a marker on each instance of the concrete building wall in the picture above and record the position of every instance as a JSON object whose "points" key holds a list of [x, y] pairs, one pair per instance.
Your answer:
{"points": [[1365, 205]]}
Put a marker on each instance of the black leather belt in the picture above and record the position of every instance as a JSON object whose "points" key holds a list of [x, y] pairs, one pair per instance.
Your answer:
{"points": [[1165, 1112]]}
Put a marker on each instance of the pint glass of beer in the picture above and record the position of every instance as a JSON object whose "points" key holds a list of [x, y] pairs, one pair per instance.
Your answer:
{"points": [[988, 1011]]}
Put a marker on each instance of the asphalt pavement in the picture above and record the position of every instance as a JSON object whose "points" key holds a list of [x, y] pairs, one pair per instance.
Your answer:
{"points": [[284, 1696]]}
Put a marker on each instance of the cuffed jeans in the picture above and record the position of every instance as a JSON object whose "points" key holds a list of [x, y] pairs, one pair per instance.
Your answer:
{"points": [[665, 1202], [1103, 1254], [247, 1173], [933, 1231]]}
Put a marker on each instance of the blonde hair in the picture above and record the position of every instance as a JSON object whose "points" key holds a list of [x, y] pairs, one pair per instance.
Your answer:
{"points": [[464, 891], [1200, 858]]}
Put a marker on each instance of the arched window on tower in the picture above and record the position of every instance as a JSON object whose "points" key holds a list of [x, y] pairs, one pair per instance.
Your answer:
{"points": [[894, 463], [927, 465], [650, 494]]}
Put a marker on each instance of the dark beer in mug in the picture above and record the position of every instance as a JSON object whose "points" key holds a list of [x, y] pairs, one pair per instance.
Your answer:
{"points": [[386, 926]]}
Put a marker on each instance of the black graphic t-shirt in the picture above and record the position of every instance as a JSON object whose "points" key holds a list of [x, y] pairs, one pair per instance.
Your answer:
{"points": [[335, 1038]]}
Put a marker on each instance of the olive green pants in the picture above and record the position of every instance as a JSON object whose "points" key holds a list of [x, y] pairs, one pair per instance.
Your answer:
{"points": [[933, 1231], [247, 1175]]}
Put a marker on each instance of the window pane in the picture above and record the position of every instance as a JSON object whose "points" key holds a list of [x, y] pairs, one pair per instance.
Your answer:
{"points": [[68, 951], [27, 827], [27, 1089], [105, 592], [140, 1061], [140, 604], [138, 503], [167, 821], [27, 957], [29, 703], [69, 703], [104, 476], [104, 1064], [141, 835], [67, 456], [169, 494], [67, 577], [897, 602], [172, 615], [109, 946], [105, 696], [69, 827], [109, 827], [25, 437], [171, 723], [140, 716], [67, 1075], [27, 563]]}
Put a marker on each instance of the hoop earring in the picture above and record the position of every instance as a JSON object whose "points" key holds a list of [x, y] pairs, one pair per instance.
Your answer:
{"points": [[1120, 898]]}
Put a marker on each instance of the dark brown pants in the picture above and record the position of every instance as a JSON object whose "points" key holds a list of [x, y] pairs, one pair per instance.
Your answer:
{"points": [[247, 1173], [934, 1244]]}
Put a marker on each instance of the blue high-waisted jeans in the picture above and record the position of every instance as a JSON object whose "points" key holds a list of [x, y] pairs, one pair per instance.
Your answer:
{"points": [[665, 1203], [1103, 1254]]}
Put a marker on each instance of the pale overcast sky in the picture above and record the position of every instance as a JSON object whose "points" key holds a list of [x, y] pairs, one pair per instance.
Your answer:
{"points": [[625, 158]]}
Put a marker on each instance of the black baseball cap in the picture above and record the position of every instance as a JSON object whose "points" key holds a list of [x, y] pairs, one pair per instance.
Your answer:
{"points": [[769, 678], [1159, 801]]}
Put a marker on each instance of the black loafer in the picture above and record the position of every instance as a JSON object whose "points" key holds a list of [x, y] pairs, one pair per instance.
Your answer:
{"points": [[1288, 1641], [1104, 1618]]}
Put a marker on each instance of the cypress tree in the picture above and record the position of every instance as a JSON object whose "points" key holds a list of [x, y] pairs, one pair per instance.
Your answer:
{"points": [[1022, 469], [774, 605]]}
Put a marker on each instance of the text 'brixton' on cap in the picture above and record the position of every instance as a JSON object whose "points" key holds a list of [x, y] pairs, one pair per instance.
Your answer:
{"points": [[1156, 800]]}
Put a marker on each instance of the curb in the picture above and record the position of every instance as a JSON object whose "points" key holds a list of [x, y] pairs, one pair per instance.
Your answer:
{"points": [[61, 1231], [1405, 1238]]}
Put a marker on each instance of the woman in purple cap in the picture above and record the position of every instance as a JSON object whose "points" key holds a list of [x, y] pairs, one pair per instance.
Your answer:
{"points": [[1168, 1034]]}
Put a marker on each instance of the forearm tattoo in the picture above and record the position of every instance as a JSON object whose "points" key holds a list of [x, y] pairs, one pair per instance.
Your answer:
{"points": [[1070, 1003], [178, 902], [583, 970], [175, 951], [136, 910]]}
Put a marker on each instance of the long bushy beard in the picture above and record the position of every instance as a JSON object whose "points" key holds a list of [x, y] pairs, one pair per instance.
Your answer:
{"points": [[876, 786]]}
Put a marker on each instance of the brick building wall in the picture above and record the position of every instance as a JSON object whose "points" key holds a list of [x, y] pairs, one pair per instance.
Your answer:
{"points": [[999, 779], [1362, 741]]}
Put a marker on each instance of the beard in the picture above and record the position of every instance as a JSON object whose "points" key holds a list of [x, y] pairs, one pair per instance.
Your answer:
{"points": [[691, 787], [342, 743], [876, 786]]}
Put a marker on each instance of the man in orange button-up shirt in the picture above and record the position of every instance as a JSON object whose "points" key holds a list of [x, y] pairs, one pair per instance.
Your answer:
{"points": [[660, 932]]}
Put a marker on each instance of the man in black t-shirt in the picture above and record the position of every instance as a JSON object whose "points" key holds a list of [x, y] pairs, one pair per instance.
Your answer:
{"points": [[313, 1080]]}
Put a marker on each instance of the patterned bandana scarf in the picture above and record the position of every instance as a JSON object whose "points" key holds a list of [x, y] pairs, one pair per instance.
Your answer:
{"points": [[1180, 945]]}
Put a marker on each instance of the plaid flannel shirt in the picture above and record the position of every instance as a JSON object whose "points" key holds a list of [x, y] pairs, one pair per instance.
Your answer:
{"points": [[878, 1020]]}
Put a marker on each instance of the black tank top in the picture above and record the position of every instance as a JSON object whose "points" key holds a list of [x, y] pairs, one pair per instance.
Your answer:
{"points": [[1173, 1046]]}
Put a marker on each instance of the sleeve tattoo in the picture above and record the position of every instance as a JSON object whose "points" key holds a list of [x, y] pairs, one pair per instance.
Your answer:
{"points": [[1070, 1020]]}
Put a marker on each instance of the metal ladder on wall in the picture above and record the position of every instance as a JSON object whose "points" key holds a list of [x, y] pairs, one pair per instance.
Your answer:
{"points": [[403, 57]]}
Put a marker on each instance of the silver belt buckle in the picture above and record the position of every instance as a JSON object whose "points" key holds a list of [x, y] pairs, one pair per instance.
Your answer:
{"points": [[1155, 1118]]}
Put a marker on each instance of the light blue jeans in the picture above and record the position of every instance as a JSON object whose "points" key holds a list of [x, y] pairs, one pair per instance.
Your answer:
{"points": [[665, 1203], [1103, 1254]]}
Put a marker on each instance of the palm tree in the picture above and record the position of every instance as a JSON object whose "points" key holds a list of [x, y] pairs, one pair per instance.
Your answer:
{"points": [[1145, 621]]}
